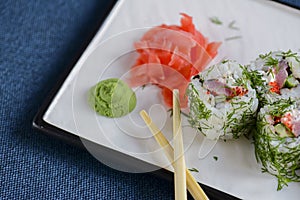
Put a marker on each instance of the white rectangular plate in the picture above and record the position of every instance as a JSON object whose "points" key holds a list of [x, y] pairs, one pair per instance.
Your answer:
{"points": [[262, 26]]}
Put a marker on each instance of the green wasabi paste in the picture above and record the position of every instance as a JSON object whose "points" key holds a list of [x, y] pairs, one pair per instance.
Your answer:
{"points": [[112, 98]]}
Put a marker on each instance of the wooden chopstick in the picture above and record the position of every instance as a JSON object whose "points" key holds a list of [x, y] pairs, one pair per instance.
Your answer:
{"points": [[192, 185], [179, 162]]}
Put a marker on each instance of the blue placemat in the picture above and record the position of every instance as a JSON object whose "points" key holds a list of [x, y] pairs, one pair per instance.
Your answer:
{"points": [[37, 40]]}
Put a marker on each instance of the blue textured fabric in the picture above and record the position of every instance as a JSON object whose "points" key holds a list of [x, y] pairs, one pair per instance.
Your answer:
{"points": [[37, 40], [293, 3]]}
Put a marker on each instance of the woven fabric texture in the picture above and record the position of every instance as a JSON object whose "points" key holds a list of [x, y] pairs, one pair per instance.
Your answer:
{"points": [[37, 40]]}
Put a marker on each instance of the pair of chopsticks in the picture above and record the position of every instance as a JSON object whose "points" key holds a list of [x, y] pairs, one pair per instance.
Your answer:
{"points": [[182, 176]]}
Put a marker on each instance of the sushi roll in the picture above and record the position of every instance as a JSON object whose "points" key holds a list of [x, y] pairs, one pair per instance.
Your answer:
{"points": [[277, 141], [222, 103], [276, 75]]}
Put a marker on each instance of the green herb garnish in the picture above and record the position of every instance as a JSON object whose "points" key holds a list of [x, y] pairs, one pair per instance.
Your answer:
{"points": [[233, 38], [216, 158], [171, 113], [288, 54], [263, 56], [198, 106], [184, 114], [281, 106], [216, 20], [256, 81], [243, 124], [225, 61], [231, 25], [143, 86], [279, 156], [194, 170], [271, 61], [198, 110]]}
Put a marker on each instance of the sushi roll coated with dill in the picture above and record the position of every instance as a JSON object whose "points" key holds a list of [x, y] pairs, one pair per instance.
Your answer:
{"points": [[276, 75], [222, 102], [277, 141]]}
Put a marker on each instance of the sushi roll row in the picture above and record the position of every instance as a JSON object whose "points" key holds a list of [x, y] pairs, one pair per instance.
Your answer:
{"points": [[228, 100], [276, 139]]}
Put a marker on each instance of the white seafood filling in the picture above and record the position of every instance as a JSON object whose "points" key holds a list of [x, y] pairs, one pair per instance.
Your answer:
{"points": [[229, 118]]}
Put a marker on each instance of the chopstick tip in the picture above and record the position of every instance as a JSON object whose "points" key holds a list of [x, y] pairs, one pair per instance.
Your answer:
{"points": [[145, 116], [142, 112]]}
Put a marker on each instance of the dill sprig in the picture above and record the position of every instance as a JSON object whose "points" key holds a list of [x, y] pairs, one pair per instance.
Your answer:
{"points": [[231, 25], [263, 56], [281, 107], [193, 169], [288, 54], [171, 113], [233, 38], [198, 110], [279, 156], [243, 124], [270, 61], [224, 61], [256, 81], [216, 20], [247, 116]]}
